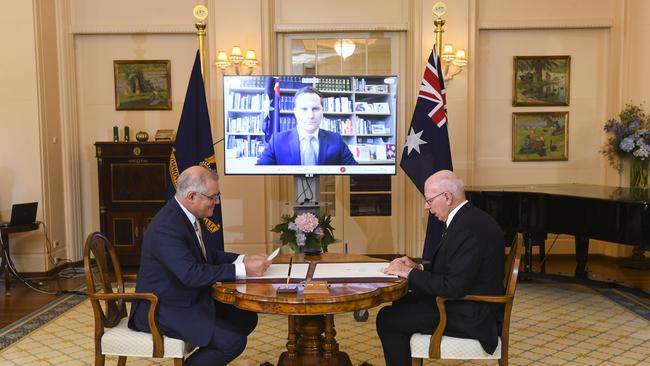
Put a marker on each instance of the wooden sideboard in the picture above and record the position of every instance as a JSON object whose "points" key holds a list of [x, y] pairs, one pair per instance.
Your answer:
{"points": [[132, 184]]}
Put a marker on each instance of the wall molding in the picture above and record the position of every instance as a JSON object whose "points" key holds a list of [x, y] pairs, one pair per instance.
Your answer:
{"points": [[133, 30], [545, 24], [343, 27]]}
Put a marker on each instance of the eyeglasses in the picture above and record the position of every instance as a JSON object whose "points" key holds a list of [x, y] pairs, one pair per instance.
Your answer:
{"points": [[213, 198], [429, 201]]}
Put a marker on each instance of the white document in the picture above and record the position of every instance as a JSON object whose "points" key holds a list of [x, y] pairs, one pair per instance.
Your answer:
{"points": [[280, 270], [274, 254], [351, 270]]}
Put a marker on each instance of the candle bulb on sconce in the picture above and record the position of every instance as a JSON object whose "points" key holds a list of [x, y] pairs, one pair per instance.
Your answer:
{"points": [[236, 59]]}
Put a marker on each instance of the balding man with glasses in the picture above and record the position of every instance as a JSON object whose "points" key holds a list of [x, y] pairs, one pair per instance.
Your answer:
{"points": [[469, 260]]}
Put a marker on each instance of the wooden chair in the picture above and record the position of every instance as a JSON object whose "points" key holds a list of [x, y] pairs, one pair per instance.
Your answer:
{"points": [[437, 346], [112, 335]]}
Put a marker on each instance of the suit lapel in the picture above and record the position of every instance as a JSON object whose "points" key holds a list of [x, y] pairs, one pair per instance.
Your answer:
{"points": [[190, 228], [322, 146], [449, 230], [294, 147]]}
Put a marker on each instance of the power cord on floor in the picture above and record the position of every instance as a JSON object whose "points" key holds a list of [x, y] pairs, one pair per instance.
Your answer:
{"points": [[10, 265]]}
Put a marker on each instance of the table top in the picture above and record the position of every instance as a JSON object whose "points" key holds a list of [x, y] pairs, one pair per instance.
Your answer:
{"points": [[10, 229], [261, 296]]}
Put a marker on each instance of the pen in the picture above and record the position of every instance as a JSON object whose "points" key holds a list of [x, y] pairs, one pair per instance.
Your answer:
{"points": [[289, 274]]}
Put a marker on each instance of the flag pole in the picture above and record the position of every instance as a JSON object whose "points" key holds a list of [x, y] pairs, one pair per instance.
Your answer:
{"points": [[201, 13]]}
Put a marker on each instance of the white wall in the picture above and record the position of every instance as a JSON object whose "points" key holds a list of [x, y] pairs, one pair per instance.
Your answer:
{"points": [[20, 151]]}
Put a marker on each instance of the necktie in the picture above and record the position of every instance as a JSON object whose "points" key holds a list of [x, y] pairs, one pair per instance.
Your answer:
{"points": [[444, 229], [197, 229], [308, 151]]}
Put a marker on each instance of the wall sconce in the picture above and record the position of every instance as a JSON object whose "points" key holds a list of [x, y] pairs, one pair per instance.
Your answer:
{"points": [[237, 59], [344, 48], [453, 62]]}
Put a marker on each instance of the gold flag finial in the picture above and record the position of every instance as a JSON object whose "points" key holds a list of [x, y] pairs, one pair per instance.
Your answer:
{"points": [[439, 9], [201, 13]]}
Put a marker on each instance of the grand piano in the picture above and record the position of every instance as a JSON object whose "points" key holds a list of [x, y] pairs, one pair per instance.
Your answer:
{"points": [[614, 214]]}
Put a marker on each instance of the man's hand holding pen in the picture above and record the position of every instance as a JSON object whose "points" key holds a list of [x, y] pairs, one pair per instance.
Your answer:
{"points": [[256, 264]]}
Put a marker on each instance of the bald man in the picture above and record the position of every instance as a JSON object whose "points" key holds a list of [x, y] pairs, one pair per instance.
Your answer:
{"points": [[180, 267], [469, 260]]}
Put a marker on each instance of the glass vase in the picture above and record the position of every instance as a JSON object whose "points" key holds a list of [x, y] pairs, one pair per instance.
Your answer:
{"points": [[639, 174]]}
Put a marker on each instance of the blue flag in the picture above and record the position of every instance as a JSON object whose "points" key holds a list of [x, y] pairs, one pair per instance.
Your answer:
{"points": [[193, 146], [271, 107], [427, 144]]}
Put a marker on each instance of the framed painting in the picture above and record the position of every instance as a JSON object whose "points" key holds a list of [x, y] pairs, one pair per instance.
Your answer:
{"points": [[142, 84], [541, 80], [540, 136]]}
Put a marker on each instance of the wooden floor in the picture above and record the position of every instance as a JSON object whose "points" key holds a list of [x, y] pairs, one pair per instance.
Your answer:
{"points": [[23, 300]]}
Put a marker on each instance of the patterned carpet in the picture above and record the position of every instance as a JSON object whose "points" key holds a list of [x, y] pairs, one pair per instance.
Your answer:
{"points": [[552, 324]]}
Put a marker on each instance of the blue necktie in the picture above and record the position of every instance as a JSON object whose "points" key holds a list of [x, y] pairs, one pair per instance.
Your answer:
{"points": [[308, 152]]}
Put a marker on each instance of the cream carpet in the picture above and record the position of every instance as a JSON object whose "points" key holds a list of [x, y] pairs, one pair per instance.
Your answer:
{"points": [[552, 324]]}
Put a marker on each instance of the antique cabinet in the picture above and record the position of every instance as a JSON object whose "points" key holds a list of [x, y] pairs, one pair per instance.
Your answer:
{"points": [[132, 184]]}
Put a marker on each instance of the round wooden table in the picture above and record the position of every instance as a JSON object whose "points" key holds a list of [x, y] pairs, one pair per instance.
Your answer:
{"points": [[311, 334]]}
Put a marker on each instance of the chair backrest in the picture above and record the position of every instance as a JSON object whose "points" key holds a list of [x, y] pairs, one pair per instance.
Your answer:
{"points": [[510, 284], [510, 260], [100, 281], [512, 265]]}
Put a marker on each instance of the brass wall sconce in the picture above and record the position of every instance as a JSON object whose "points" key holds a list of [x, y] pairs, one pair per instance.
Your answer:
{"points": [[236, 59]]}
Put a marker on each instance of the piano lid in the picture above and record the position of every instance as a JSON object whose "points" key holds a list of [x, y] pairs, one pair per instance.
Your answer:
{"points": [[609, 193]]}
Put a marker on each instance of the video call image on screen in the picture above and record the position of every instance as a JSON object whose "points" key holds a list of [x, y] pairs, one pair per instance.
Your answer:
{"points": [[308, 125]]}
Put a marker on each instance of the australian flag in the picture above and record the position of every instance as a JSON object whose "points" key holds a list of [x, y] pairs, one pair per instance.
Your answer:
{"points": [[193, 146], [271, 108], [427, 144]]}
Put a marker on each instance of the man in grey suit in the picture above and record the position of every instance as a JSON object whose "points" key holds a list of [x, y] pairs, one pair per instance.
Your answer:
{"points": [[469, 260]]}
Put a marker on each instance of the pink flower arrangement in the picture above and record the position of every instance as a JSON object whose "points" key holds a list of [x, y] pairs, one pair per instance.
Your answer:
{"points": [[305, 231], [306, 222]]}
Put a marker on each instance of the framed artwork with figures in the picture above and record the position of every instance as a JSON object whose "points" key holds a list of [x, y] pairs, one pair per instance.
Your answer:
{"points": [[540, 136], [541, 80]]}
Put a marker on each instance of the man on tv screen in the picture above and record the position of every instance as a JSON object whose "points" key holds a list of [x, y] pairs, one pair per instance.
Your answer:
{"points": [[307, 144]]}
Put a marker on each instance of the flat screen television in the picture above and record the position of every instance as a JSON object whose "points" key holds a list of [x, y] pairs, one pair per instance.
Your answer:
{"points": [[265, 129]]}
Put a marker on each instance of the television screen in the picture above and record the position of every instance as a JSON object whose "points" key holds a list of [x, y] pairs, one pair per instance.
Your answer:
{"points": [[310, 125]]}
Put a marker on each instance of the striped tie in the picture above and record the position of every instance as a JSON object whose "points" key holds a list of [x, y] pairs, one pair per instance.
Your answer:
{"points": [[197, 229]]}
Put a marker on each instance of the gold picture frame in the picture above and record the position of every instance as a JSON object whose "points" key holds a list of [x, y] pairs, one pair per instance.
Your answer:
{"points": [[142, 84], [540, 136], [541, 80]]}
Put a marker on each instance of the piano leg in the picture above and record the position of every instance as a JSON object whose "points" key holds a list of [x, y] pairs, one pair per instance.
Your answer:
{"points": [[530, 240], [528, 253], [582, 251]]}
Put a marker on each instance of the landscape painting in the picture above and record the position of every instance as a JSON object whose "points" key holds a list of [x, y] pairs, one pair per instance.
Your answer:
{"points": [[540, 136], [541, 80], [142, 84]]}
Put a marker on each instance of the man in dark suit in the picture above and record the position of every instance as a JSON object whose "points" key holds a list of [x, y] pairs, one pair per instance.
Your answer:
{"points": [[179, 267], [307, 144], [469, 260]]}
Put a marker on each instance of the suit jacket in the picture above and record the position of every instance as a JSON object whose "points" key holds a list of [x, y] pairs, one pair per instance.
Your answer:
{"points": [[469, 260], [284, 149], [173, 268]]}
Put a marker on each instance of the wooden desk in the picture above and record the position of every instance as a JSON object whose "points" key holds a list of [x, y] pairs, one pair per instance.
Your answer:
{"points": [[4, 248], [311, 334]]}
